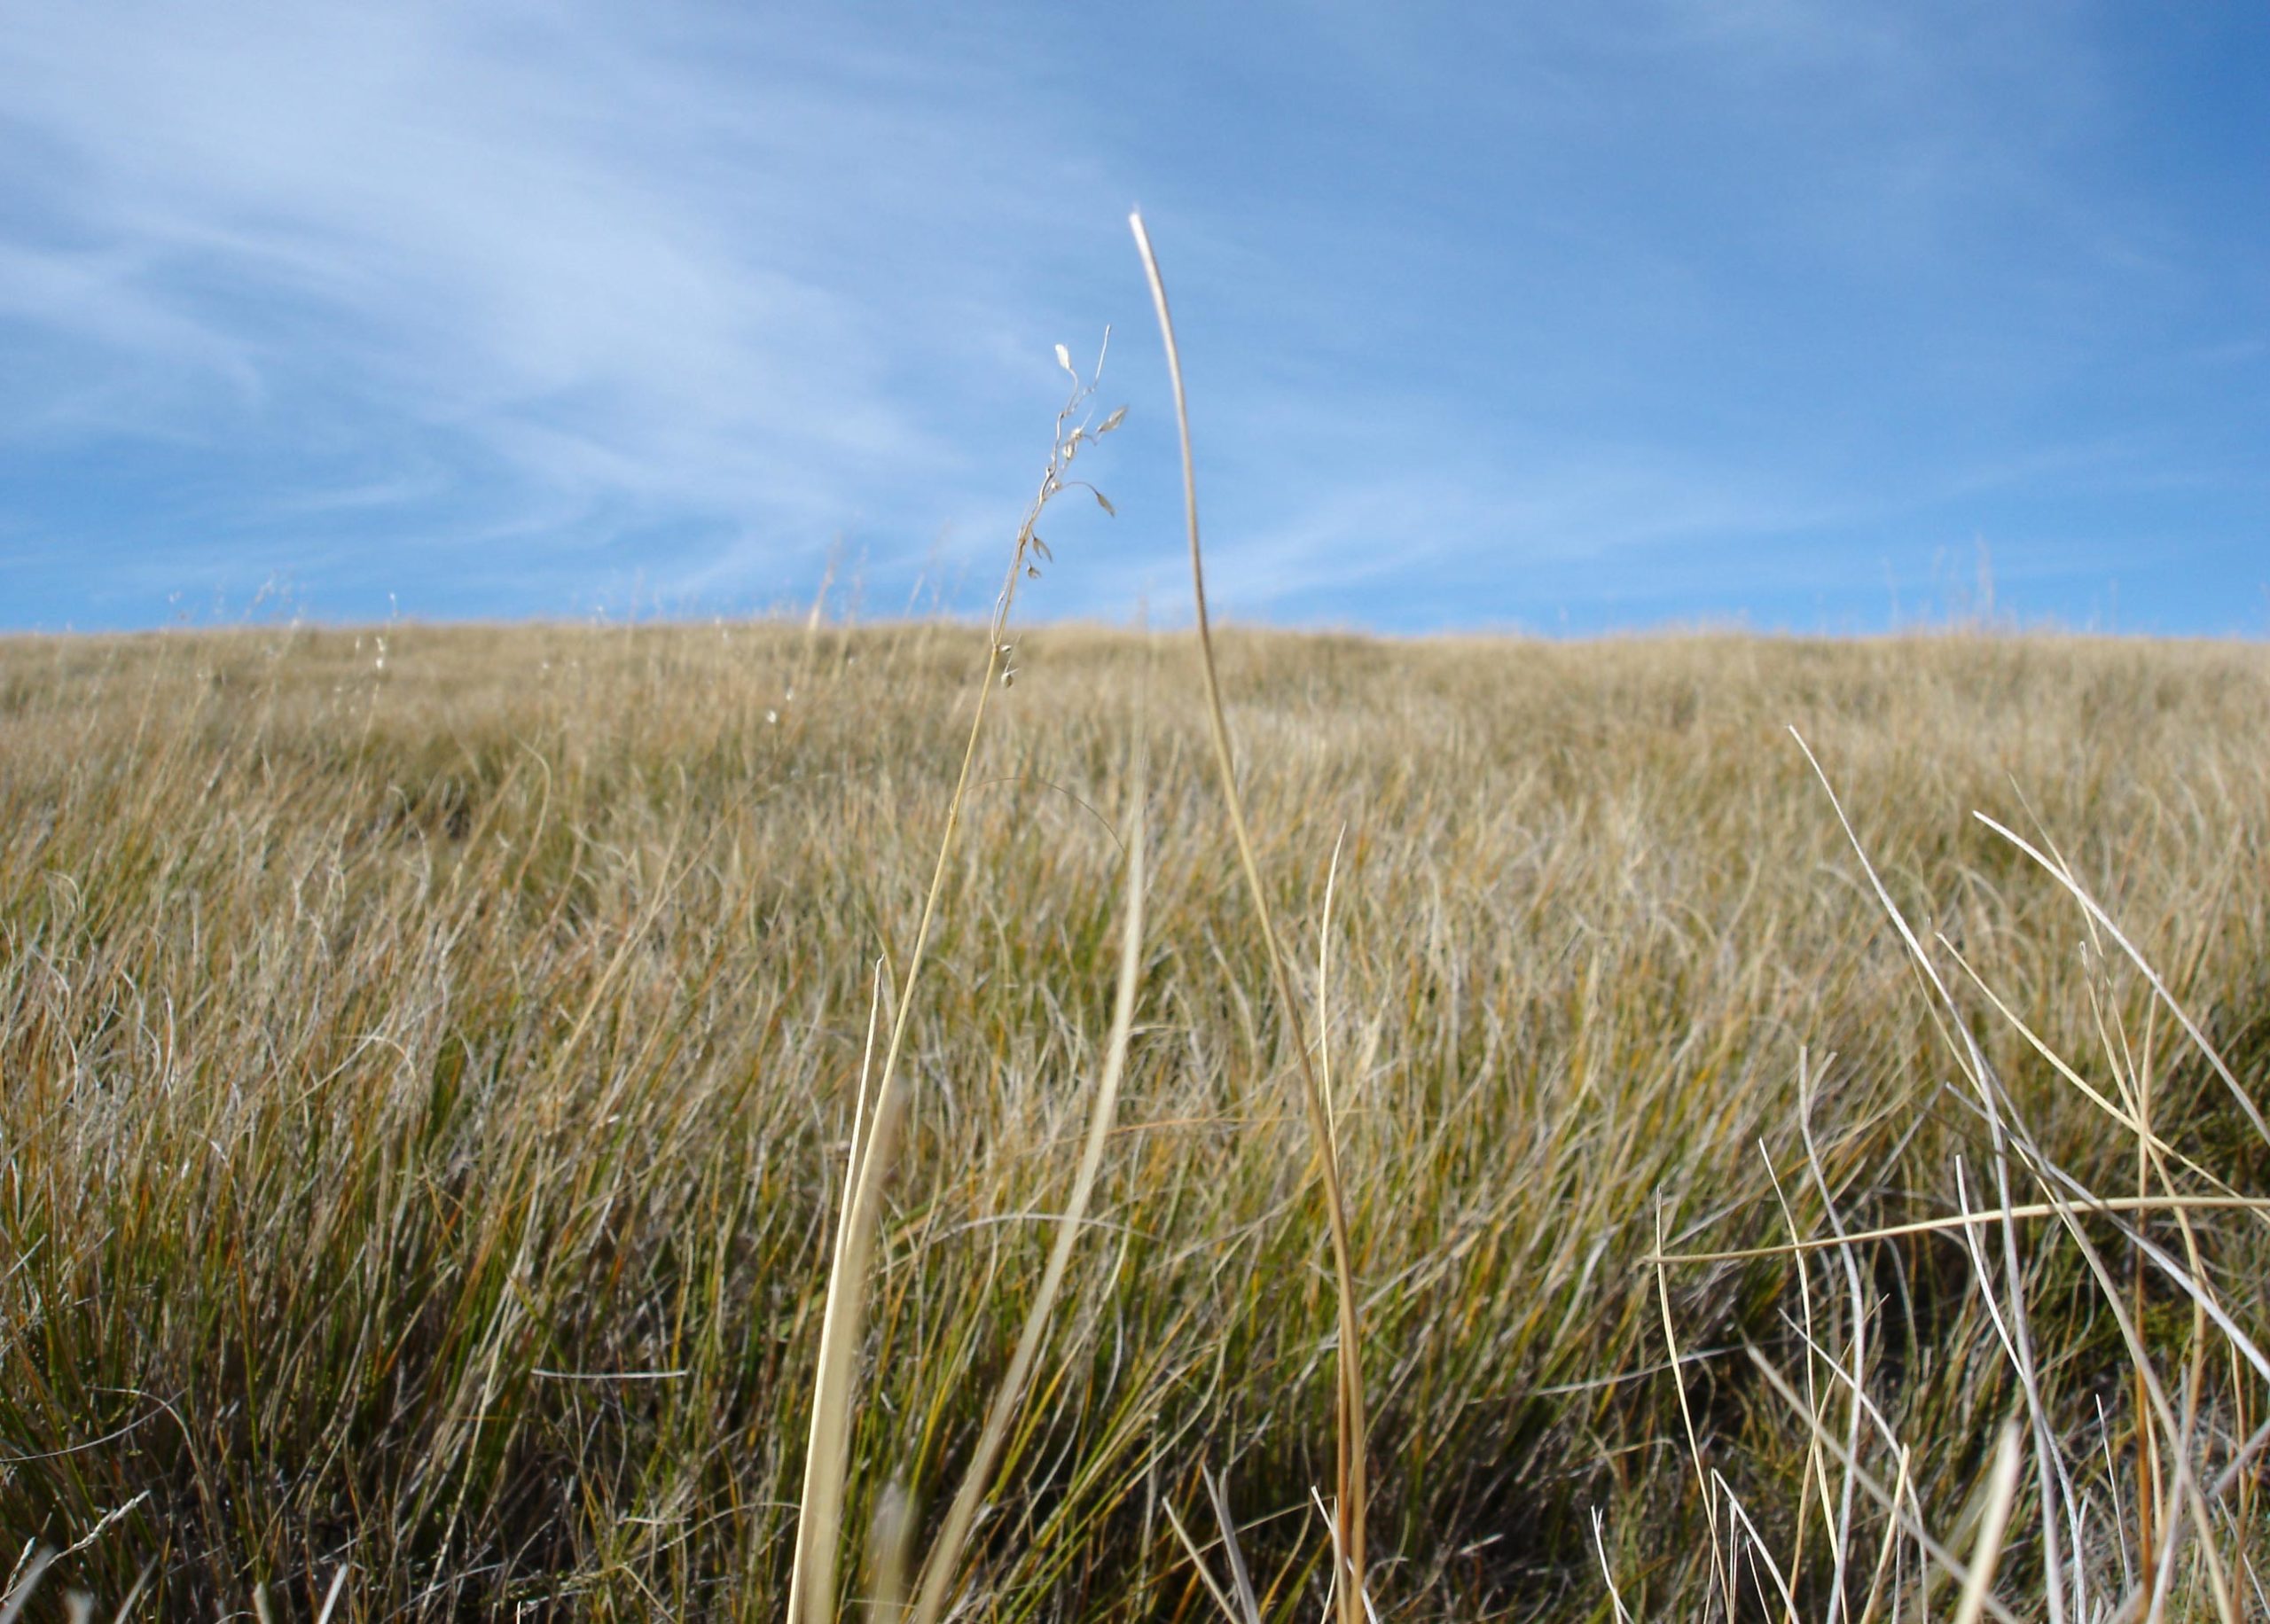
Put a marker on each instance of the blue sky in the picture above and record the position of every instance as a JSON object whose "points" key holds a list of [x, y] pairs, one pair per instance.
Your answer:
{"points": [[1559, 317]]}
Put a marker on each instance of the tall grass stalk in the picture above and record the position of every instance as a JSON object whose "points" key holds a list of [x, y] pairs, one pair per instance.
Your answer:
{"points": [[938, 1571], [1353, 1476], [811, 1592]]}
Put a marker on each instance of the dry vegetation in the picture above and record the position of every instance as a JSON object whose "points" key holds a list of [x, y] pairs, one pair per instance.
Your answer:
{"points": [[428, 1077]]}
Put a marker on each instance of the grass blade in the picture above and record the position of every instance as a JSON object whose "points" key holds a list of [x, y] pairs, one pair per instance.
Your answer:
{"points": [[1354, 1500]]}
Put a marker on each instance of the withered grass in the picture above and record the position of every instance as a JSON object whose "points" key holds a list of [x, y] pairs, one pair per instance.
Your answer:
{"points": [[426, 1092]]}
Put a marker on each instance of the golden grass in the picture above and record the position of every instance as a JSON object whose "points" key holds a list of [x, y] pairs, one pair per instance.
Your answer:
{"points": [[427, 1092], [1351, 1483], [812, 1579]]}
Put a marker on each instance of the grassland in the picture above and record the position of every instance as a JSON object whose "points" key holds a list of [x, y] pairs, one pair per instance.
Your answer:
{"points": [[429, 1059]]}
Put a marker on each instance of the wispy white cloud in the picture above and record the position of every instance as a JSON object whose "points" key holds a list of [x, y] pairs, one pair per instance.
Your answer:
{"points": [[632, 268], [545, 297]]}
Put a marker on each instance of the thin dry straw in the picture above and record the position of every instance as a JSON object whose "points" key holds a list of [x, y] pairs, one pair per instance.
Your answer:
{"points": [[811, 1582], [1248, 1604], [21, 1593], [1859, 1335], [1760, 1551], [2104, 920], [1352, 1485], [2152, 1401], [1972, 1219], [1686, 1419], [1198, 1564], [1608, 1572], [945, 1556], [1885, 1498], [2001, 1491]]}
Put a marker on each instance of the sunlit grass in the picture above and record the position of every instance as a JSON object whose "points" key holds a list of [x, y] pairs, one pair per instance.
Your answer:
{"points": [[428, 1090]]}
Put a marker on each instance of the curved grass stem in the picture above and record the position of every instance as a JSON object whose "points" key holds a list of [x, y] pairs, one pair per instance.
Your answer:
{"points": [[1352, 1486]]}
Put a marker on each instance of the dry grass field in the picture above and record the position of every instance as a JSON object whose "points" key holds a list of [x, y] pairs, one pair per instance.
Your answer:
{"points": [[429, 1059]]}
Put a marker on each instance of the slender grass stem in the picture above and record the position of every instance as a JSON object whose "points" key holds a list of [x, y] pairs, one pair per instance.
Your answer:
{"points": [[1353, 1487]]}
